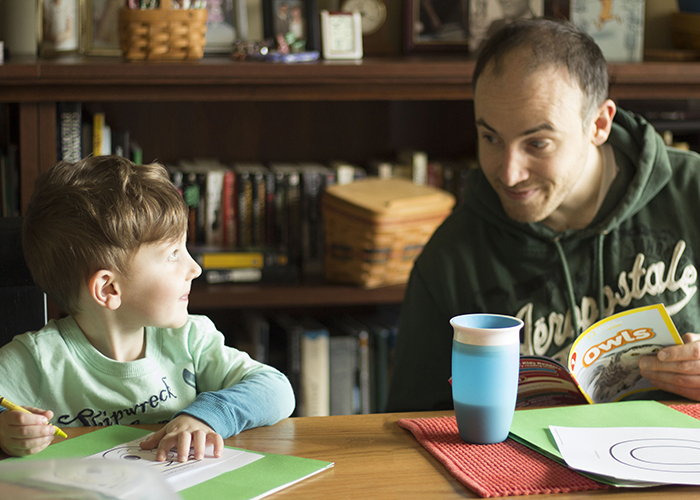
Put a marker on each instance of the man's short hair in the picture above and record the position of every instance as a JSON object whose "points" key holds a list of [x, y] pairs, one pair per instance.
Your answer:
{"points": [[552, 42], [95, 214]]}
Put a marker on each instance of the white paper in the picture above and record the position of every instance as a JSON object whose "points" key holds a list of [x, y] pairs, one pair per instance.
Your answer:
{"points": [[647, 455], [180, 475]]}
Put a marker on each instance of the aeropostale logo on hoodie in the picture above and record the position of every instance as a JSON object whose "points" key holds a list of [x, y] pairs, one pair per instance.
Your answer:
{"points": [[539, 334]]}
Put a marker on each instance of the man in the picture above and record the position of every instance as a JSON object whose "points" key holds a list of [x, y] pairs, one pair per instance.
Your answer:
{"points": [[578, 211]]}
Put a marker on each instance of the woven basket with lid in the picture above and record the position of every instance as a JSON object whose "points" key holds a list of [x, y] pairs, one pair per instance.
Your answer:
{"points": [[375, 229], [163, 33]]}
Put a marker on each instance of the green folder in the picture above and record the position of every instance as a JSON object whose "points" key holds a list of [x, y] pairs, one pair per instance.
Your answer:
{"points": [[262, 477], [531, 427]]}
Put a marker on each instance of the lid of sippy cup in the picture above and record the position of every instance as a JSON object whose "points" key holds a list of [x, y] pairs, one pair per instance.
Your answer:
{"points": [[486, 329]]}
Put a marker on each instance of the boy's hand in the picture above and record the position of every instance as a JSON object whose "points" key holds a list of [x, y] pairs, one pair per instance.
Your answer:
{"points": [[184, 432], [24, 434], [676, 368]]}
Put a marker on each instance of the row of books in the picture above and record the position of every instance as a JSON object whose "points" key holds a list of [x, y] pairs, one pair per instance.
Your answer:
{"points": [[337, 365], [79, 134], [247, 213], [251, 222]]}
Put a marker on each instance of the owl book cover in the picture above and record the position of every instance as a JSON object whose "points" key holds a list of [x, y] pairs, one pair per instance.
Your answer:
{"points": [[603, 363]]}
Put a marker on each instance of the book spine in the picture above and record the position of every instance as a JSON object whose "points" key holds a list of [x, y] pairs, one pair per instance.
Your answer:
{"points": [[191, 193], [259, 202], [310, 220], [281, 237], [343, 375], [120, 143], [315, 372], [245, 209], [270, 212], [214, 226], [278, 274], [213, 259], [294, 217], [69, 117], [98, 128], [228, 207], [365, 367]]}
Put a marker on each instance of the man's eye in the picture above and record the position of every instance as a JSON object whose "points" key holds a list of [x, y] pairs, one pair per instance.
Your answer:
{"points": [[539, 144], [491, 139]]}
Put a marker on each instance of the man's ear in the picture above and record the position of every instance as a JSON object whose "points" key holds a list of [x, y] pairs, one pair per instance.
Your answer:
{"points": [[105, 290], [602, 122]]}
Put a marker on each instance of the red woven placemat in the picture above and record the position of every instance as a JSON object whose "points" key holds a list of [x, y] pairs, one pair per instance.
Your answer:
{"points": [[507, 468]]}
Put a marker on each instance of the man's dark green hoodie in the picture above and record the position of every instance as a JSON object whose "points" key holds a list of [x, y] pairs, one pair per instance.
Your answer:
{"points": [[642, 248]]}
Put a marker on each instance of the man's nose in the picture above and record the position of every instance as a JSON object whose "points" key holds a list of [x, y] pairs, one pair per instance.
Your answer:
{"points": [[513, 169]]}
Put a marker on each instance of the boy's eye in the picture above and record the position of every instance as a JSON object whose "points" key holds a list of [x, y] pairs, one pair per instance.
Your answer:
{"points": [[173, 256]]}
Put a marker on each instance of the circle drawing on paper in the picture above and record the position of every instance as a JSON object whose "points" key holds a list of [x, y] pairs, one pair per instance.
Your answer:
{"points": [[135, 453], [659, 454]]}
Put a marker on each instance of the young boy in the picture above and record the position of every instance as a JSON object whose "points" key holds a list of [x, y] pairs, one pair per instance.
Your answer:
{"points": [[105, 239]]}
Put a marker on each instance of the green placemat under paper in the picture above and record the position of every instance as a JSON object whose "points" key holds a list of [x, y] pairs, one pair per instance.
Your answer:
{"points": [[255, 480], [531, 427]]}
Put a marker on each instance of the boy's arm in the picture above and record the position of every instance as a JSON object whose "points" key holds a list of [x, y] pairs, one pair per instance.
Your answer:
{"points": [[20, 381], [263, 397]]}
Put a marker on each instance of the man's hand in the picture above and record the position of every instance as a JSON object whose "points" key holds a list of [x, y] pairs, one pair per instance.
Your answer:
{"points": [[676, 368], [184, 432], [24, 434]]}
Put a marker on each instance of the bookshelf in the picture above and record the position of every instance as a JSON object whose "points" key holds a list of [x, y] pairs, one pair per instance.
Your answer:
{"points": [[250, 111]]}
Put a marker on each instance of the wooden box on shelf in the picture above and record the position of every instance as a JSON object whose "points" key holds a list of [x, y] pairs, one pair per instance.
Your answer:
{"points": [[375, 229], [163, 33], [686, 30]]}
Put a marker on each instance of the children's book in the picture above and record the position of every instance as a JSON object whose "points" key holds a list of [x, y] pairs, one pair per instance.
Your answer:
{"points": [[93, 465], [603, 363]]}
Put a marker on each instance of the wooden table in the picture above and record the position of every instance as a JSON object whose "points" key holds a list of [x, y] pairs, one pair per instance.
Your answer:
{"points": [[376, 459]]}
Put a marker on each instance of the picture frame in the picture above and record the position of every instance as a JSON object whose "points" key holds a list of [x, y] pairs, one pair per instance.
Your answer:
{"points": [[100, 27], [299, 16], [224, 25], [61, 25], [618, 30], [488, 16], [436, 26], [341, 35]]}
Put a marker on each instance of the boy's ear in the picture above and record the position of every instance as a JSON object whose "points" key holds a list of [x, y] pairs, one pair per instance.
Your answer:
{"points": [[105, 290], [602, 122]]}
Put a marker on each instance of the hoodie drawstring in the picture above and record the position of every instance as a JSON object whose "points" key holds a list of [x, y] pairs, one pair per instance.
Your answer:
{"points": [[571, 298], [601, 283]]}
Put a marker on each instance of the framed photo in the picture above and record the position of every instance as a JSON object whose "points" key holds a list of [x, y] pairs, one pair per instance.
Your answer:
{"points": [[488, 16], [617, 28], [224, 25], [100, 34], [292, 22], [341, 35], [60, 26], [437, 25]]}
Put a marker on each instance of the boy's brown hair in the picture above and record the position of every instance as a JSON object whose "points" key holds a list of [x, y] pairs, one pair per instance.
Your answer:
{"points": [[95, 214]]}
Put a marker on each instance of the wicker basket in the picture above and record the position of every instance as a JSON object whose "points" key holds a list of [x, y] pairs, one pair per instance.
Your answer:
{"points": [[162, 34], [375, 229]]}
